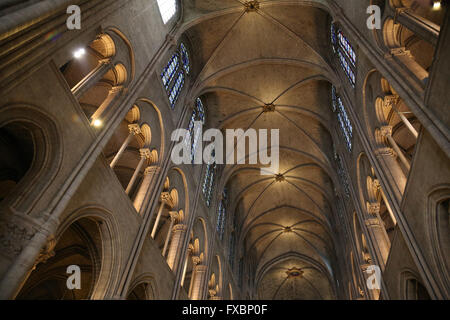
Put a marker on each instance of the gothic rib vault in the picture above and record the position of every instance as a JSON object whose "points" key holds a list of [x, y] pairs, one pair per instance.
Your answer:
{"points": [[247, 60]]}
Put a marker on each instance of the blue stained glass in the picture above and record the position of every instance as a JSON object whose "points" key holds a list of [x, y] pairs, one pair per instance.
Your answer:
{"points": [[201, 110], [174, 93], [344, 120], [347, 69], [347, 47], [170, 70], [333, 37], [197, 115], [346, 53], [185, 58]]}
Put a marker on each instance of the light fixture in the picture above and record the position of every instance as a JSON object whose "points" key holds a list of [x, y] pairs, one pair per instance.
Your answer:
{"points": [[97, 123], [79, 53], [437, 5]]}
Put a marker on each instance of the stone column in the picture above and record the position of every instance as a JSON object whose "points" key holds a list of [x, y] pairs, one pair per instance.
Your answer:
{"points": [[101, 111], [391, 101], [165, 199], [378, 186], [145, 155], [376, 228], [91, 78], [198, 282], [149, 174], [178, 233], [422, 27], [134, 129], [189, 252], [386, 132], [404, 57], [174, 216]]}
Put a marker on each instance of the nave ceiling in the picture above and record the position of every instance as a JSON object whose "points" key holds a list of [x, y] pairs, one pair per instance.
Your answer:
{"points": [[246, 60]]}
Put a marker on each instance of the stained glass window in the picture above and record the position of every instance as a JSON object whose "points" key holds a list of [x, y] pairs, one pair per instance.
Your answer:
{"points": [[185, 58], [170, 70], [198, 114], [174, 93], [167, 8], [347, 47], [345, 52], [344, 121], [333, 37], [221, 217], [174, 74], [208, 180]]}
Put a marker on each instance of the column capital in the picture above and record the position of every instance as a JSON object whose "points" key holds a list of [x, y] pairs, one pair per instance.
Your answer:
{"points": [[201, 268], [116, 89], [134, 129], [174, 215], [372, 222], [179, 228], [391, 101], [386, 151], [152, 170], [166, 198], [400, 51], [212, 294], [46, 252], [105, 61], [145, 153], [386, 131], [196, 260], [190, 249], [373, 208]]}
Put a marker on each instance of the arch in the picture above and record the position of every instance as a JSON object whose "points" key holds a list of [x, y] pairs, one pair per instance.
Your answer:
{"points": [[144, 287], [87, 238], [411, 288], [48, 152], [438, 230]]}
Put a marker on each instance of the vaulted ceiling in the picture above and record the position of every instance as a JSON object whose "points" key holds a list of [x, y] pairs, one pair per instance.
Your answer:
{"points": [[246, 59]]}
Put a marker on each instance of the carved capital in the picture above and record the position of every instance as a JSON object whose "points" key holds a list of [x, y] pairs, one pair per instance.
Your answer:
{"points": [[401, 51], [373, 222], [152, 170], [391, 101], [145, 153], [190, 249], [373, 208], [174, 215], [386, 131], [180, 228], [212, 293], [196, 260], [116, 89], [387, 152], [134, 129], [47, 252], [167, 199]]}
